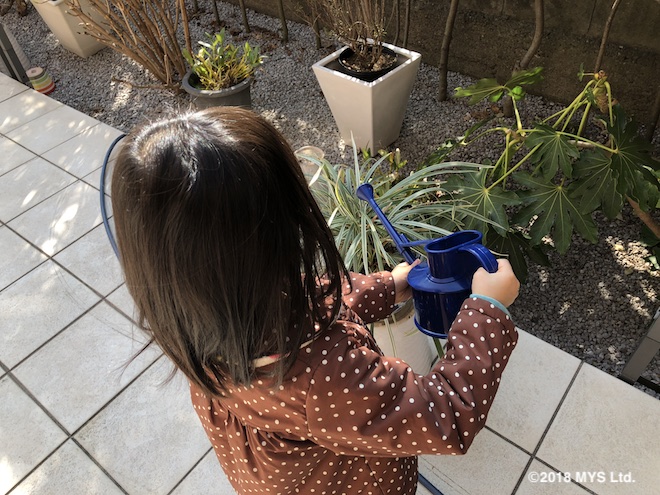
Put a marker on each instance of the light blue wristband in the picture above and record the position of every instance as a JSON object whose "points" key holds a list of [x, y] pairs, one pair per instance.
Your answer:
{"points": [[494, 302]]}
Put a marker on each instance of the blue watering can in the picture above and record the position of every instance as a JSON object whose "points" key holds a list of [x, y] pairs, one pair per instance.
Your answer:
{"points": [[440, 285]]}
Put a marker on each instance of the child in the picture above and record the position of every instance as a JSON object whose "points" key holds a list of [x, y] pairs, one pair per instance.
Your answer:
{"points": [[236, 277]]}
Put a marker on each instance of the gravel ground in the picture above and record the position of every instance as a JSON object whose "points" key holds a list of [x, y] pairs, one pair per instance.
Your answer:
{"points": [[595, 302]]}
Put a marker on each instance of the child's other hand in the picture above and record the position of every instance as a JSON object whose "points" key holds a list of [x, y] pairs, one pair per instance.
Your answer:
{"points": [[402, 290], [503, 286]]}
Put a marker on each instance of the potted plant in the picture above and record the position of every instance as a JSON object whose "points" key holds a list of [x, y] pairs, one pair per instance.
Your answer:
{"points": [[367, 83], [221, 72], [64, 20], [417, 205], [553, 174]]}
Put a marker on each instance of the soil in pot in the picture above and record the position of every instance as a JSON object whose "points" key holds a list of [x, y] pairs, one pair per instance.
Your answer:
{"points": [[356, 66]]}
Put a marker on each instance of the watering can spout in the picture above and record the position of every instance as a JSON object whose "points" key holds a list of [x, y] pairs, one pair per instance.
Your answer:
{"points": [[366, 193]]}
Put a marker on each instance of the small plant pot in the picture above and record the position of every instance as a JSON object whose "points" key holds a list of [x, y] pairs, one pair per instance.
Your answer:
{"points": [[238, 95]]}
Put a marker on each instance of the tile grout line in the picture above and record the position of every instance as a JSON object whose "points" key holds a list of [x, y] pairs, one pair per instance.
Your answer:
{"points": [[591, 492], [52, 337], [50, 196], [52, 258], [547, 429], [70, 436], [103, 470], [508, 440], [189, 471]]}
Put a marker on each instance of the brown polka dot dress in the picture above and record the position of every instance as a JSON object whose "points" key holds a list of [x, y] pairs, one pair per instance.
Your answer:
{"points": [[348, 420]]}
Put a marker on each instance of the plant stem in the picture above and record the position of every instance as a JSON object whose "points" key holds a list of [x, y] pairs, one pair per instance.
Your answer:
{"points": [[574, 108], [246, 24], [538, 34], [585, 116], [480, 135], [645, 217], [406, 24], [585, 140], [438, 347], [562, 113], [515, 110], [609, 101], [285, 29], [515, 167], [606, 33], [444, 50]]}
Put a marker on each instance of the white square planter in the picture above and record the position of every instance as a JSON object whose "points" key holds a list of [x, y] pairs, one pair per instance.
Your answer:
{"points": [[371, 111], [66, 27]]}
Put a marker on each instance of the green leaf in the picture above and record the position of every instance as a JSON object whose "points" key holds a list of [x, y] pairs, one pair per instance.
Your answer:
{"points": [[492, 90], [488, 202], [556, 213], [632, 162], [648, 238], [518, 93], [518, 248], [596, 184], [525, 77], [654, 259], [496, 96], [555, 150], [484, 88]]}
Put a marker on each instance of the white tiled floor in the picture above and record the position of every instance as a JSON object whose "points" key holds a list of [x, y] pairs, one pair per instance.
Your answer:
{"points": [[75, 417]]}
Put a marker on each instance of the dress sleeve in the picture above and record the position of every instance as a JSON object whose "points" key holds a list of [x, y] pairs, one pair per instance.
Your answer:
{"points": [[362, 403], [371, 296]]}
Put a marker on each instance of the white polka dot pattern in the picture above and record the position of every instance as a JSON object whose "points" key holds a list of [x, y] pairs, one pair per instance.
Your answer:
{"points": [[348, 420]]}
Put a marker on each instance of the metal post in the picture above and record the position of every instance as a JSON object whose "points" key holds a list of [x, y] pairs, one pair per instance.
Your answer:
{"points": [[10, 58], [645, 352]]}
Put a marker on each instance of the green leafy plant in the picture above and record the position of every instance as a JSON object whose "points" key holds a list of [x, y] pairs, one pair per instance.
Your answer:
{"points": [[549, 178], [219, 64], [417, 205]]}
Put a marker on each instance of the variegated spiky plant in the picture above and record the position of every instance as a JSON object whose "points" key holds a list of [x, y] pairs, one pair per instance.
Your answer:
{"points": [[418, 206]]}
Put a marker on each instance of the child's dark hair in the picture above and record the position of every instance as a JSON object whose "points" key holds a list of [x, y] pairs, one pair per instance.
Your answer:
{"points": [[222, 244]]}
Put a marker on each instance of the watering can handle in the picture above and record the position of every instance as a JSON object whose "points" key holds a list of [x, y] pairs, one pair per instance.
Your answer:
{"points": [[483, 255], [366, 193]]}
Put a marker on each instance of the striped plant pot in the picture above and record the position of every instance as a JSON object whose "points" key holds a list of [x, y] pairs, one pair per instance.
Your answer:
{"points": [[41, 80]]}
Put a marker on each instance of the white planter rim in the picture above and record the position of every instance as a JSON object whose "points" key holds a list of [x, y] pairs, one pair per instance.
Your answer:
{"points": [[410, 56]]}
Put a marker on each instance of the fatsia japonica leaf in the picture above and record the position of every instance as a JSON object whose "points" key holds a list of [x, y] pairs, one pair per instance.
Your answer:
{"points": [[484, 88], [492, 90], [596, 183], [632, 163], [488, 202], [557, 214], [555, 150], [517, 247], [525, 77]]}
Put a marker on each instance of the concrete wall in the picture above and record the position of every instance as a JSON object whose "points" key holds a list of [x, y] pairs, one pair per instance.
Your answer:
{"points": [[490, 36]]}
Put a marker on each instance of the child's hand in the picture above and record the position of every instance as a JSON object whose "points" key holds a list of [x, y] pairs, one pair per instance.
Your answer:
{"points": [[502, 285], [402, 290]]}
